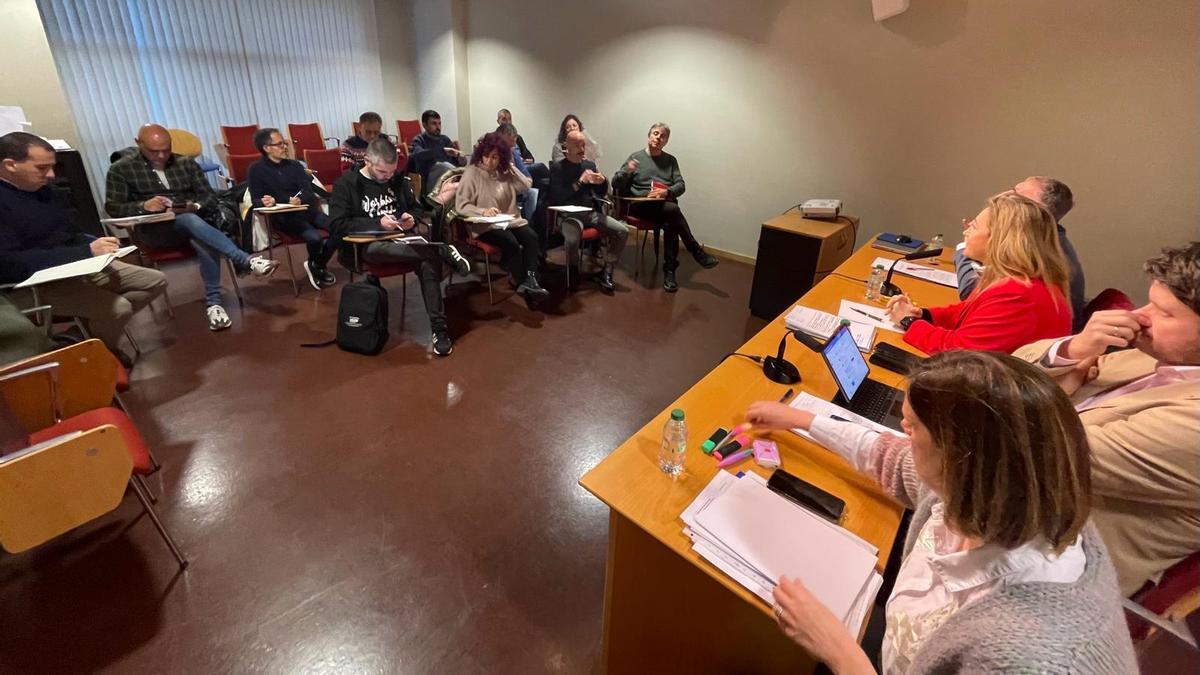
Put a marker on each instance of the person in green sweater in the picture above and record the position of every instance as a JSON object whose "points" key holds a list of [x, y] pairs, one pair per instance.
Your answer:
{"points": [[655, 174]]}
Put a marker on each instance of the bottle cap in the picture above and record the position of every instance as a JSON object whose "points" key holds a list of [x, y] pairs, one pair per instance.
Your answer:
{"points": [[844, 322], [708, 447], [677, 415], [879, 267]]}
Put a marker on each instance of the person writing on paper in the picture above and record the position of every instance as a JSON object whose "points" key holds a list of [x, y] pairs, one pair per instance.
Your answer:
{"points": [[431, 147], [1002, 571], [1021, 296], [576, 181], [491, 186], [37, 233], [376, 198], [156, 180], [354, 149], [1055, 197], [1140, 408], [276, 180], [655, 174]]}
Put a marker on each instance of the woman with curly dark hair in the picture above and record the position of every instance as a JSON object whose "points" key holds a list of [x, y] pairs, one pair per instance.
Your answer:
{"points": [[591, 149], [489, 187]]}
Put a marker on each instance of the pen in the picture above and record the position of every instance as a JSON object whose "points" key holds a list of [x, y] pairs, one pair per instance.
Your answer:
{"points": [[786, 395], [840, 419], [869, 316], [297, 193]]}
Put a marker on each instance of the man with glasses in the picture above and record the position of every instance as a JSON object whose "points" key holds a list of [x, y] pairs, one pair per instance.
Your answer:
{"points": [[155, 180], [378, 199], [275, 180], [1055, 197]]}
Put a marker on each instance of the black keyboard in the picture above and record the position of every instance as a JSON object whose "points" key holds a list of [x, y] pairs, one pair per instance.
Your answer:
{"points": [[873, 400]]}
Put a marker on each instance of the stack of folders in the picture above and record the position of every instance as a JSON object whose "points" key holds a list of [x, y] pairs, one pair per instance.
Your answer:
{"points": [[756, 536], [823, 325]]}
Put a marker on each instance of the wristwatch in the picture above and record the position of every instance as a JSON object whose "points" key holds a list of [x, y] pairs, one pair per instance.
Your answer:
{"points": [[907, 321]]}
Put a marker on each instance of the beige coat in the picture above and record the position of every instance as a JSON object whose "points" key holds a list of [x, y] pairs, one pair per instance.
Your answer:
{"points": [[481, 189], [1145, 464]]}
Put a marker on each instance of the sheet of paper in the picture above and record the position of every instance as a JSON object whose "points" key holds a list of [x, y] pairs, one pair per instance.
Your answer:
{"points": [[124, 251], [139, 220], [491, 220], [281, 208], [823, 324], [570, 208], [12, 118], [868, 314], [937, 276], [778, 539], [78, 268], [58, 144], [821, 407]]}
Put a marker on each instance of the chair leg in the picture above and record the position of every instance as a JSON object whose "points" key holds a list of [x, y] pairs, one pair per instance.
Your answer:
{"points": [[138, 490], [487, 274], [237, 290], [291, 270], [137, 351], [142, 482], [403, 298]]}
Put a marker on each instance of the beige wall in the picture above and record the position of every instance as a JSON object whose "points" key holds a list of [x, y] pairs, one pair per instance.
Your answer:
{"points": [[912, 122], [30, 79], [398, 59]]}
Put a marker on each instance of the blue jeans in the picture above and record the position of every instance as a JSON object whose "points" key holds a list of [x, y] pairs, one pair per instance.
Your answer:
{"points": [[528, 201], [211, 245]]}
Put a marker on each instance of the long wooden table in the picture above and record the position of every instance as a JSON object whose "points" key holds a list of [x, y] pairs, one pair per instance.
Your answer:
{"points": [[665, 608]]}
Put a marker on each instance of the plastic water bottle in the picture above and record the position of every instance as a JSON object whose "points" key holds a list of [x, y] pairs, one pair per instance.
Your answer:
{"points": [[674, 444], [875, 282], [938, 241]]}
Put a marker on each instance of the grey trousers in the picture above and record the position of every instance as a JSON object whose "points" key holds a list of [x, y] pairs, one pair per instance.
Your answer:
{"points": [[616, 233]]}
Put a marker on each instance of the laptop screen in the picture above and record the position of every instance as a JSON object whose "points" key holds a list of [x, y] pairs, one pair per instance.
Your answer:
{"points": [[847, 364]]}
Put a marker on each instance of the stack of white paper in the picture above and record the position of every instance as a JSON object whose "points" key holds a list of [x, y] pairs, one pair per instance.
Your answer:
{"points": [[823, 408], [78, 268], [499, 222], [823, 325], [756, 536], [943, 277]]}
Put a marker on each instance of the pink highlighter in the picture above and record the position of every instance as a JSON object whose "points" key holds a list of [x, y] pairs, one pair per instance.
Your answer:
{"points": [[734, 451]]}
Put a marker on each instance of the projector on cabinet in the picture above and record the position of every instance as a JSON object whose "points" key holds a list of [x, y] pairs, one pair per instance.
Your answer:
{"points": [[821, 208]]}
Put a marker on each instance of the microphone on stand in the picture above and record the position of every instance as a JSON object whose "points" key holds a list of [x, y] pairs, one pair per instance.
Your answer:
{"points": [[889, 289], [779, 369]]}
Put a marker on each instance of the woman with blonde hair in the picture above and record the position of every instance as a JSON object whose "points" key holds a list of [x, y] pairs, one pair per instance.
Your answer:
{"points": [[1002, 572], [1021, 296]]}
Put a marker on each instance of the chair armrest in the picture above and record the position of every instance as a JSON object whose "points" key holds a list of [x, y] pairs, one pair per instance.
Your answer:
{"points": [[337, 142]]}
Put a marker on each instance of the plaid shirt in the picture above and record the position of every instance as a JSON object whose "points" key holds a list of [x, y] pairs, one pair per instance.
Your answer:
{"points": [[131, 181]]}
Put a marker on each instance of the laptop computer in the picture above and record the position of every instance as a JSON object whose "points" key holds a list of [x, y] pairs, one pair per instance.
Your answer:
{"points": [[856, 392]]}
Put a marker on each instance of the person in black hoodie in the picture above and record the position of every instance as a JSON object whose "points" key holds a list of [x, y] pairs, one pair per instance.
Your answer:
{"points": [[276, 180], [35, 233], [376, 198]]}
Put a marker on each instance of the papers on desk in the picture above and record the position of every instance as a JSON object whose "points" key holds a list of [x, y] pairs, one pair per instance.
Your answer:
{"points": [[281, 208], [500, 222], [873, 315], [78, 268], [756, 536], [823, 325], [943, 277], [823, 408], [139, 220], [571, 208]]}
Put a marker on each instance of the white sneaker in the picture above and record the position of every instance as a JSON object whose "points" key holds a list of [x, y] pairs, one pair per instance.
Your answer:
{"points": [[263, 267], [217, 318]]}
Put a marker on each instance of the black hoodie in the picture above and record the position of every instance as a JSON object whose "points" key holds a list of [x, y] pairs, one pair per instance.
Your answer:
{"points": [[358, 203]]}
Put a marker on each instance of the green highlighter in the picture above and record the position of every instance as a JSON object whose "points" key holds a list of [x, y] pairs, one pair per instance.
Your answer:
{"points": [[711, 444]]}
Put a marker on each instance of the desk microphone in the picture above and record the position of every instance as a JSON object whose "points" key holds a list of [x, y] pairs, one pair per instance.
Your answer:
{"points": [[889, 289], [779, 369]]}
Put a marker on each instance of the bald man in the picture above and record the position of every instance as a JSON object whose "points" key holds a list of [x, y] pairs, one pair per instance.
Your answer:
{"points": [[156, 180], [575, 181]]}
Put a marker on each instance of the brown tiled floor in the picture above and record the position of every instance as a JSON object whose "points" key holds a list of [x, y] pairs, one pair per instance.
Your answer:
{"points": [[361, 514]]}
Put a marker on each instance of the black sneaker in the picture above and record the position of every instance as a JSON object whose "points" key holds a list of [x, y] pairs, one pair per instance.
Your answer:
{"points": [[530, 289], [442, 344], [706, 261], [314, 274], [456, 260], [604, 278], [326, 278], [669, 283]]}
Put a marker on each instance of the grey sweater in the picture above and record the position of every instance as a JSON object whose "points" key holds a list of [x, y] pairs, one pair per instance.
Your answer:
{"points": [[1033, 627]]}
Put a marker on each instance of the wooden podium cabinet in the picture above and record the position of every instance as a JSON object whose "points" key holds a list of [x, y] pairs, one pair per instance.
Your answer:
{"points": [[794, 253]]}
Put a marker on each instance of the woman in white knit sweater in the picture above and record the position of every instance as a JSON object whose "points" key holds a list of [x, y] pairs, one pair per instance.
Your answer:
{"points": [[1001, 570], [489, 187]]}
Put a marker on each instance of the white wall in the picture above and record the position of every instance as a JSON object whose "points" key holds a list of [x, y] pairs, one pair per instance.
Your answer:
{"points": [[37, 89], [912, 122], [398, 62], [437, 26]]}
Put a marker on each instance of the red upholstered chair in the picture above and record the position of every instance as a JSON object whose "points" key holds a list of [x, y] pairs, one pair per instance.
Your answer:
{"points": [[239, 166], [72, 469], [308, 137], [287, 241], [326, 164], [588, 235], [463, 239], [644, 227], [1162, 606], [239, 140], [408, 130], [1109, 298], [380, 270]]}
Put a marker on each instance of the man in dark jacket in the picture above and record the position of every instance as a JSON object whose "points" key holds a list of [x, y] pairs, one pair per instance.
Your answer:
{"points": [[35, 233], [575, 181], [431, 147], [376, 199]]}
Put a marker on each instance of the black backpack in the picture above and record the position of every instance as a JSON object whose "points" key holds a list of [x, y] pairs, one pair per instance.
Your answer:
{"points": [[362, 325]]}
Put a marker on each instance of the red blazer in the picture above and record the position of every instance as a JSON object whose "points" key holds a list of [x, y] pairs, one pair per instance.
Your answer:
{"points": [[1002, 318]]}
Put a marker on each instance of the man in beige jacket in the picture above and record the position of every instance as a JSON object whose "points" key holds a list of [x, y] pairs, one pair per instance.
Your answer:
{"points": [[1141, 410]]}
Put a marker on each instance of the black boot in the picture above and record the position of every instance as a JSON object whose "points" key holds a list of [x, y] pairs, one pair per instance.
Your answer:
{"points": [[706, 261], [530, 289], [605, 279], [669, 283]]}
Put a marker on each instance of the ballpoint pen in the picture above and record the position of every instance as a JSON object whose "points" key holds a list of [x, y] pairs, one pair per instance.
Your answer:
{"points": [[868, 315]]}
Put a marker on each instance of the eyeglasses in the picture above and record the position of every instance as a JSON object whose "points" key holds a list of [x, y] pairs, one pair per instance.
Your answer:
{"points": [[280, 144]]}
